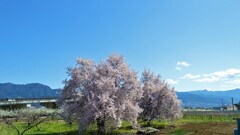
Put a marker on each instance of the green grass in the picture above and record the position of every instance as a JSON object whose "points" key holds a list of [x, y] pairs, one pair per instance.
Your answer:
{"points": [[209, 116], [46, 128], [125, 129], [60, 127], [155, 124], [56, 127], [178, 132]]}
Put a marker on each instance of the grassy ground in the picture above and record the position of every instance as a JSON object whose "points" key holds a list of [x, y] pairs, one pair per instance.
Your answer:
{"points": [[204, 123], [180, 128], [54, 128], [47, 128], [190, 124], [59, 127]]}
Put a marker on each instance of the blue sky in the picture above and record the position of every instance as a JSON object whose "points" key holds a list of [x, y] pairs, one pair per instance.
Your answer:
{"points": [[193, 44]]}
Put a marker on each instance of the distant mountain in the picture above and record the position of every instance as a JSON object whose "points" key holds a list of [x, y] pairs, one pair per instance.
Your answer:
{"points": [[205, 98], [32, 90], [199, 98]]}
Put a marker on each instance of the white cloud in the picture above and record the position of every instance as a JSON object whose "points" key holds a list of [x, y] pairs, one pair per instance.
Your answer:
{"points": [[190, 76], [227, 73], [229, 86], [171, 81], [183, 63], [235, 82], [205, 75], [178, 68], [211, 79], [215, 76]]}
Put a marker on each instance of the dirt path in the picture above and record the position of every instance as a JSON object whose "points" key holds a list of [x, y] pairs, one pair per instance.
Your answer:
{"points": [[200, 129]]}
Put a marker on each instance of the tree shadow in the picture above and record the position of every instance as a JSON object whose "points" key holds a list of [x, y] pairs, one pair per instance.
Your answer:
{"points": [[61, 133]]}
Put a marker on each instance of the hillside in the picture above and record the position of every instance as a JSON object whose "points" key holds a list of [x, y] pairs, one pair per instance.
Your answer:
{"points": [[33, 90], [199, 98], [205, 98]]}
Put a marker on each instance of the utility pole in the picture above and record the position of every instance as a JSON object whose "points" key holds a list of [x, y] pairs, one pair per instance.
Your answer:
{"points": [[232, 104], [222, 105]]}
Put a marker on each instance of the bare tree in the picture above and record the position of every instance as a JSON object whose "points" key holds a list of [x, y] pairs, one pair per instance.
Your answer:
{"points": [[159, 99], [31, 118], [108, 91]]}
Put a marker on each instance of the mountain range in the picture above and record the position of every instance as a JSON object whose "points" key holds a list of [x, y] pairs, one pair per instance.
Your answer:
{"points": [[205, 98], [196, 98], [32, 90]]}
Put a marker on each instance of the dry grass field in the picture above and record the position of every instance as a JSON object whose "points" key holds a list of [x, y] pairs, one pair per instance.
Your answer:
{"points": [[219, 128]]}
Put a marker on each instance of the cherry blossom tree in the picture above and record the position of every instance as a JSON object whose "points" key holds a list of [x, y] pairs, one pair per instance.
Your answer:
{"points": [[159, 100], [108, 91]]}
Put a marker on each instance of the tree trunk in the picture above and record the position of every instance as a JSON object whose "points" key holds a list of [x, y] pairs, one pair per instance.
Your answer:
{"points": [[149, 123], [37, 128], [101, 126]]}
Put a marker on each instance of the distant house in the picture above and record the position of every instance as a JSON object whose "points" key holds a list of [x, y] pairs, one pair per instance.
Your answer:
{"points": [[230, 108], [238, 106]]}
